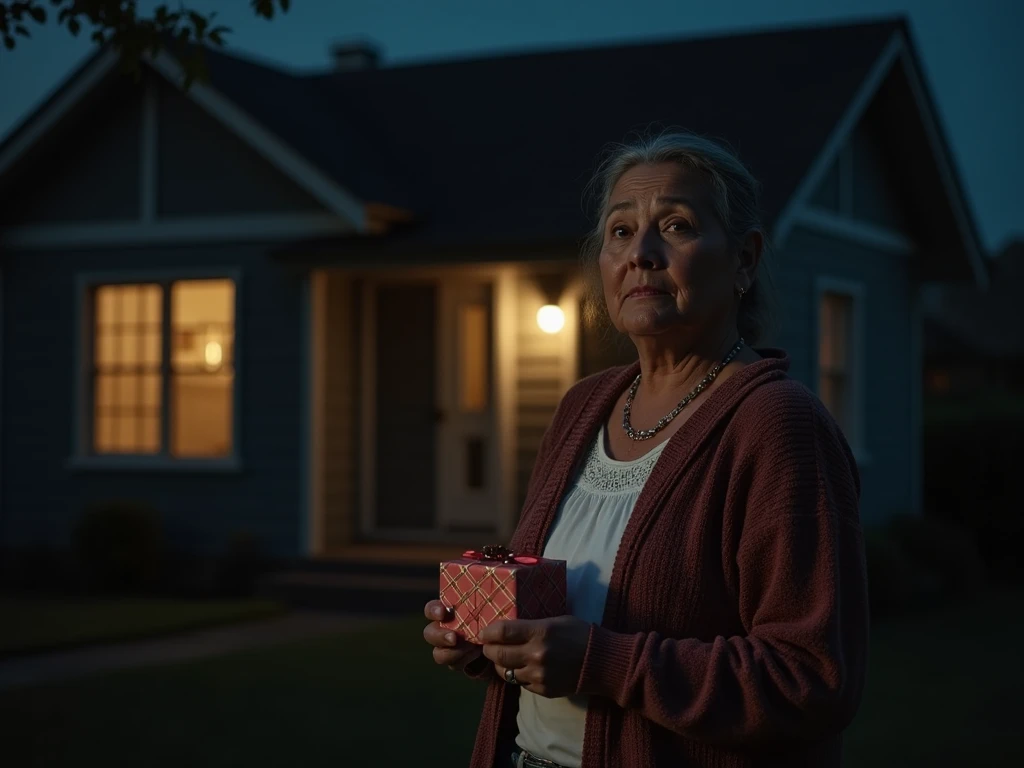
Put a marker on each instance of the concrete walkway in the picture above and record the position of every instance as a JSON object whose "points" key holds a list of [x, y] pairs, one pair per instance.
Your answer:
{"points": [[58, 666]]}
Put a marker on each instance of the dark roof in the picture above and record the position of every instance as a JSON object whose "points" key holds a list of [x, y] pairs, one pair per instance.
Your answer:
{"points": [[988, 321], [470, 145]]}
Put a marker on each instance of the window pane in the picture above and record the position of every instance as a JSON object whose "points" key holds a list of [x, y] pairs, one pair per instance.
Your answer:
{"points": [[151, 392], [151, 352], [127, 392], [127, 358], [149, 438], [131, 343], [202, 318], [474, 358], [130, 304], [202, 415], [836, 326], [105, 347]]}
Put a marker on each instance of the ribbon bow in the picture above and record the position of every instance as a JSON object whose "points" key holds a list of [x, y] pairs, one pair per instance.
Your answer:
{"points": [[499, 554]]}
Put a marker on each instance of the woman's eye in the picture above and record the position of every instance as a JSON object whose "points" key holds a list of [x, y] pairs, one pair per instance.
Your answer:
{"points": [[620, 231], [680, 226]]}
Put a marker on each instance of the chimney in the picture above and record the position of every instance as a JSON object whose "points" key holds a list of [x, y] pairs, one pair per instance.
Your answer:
{"points": [[355, 57]]}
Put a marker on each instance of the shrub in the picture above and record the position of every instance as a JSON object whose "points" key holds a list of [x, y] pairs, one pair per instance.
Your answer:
{"points": [[119, 546], [241, 565], [897, 583], [948, 550]]}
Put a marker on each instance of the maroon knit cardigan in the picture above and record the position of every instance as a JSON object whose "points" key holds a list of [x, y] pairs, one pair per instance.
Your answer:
{"points": [[736, 627]]}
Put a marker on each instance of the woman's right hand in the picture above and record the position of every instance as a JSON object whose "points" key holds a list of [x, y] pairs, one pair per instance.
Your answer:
{"points": [[449, 649]]}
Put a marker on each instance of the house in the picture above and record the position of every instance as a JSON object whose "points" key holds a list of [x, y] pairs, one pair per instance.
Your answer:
{"points": [[305, 307], [974, 339]]}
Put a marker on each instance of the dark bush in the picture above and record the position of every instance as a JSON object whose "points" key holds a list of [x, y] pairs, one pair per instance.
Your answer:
{"points": [[241, 566], [897, 583], [119, 546], [948, 550], [970, 474]]}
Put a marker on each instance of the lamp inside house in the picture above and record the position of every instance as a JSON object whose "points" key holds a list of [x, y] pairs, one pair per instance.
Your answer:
{"points": [[550, 318], [213, 351]]}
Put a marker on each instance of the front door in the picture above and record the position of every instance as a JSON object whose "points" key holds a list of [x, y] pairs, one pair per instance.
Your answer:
{"points": [[435, 463]]}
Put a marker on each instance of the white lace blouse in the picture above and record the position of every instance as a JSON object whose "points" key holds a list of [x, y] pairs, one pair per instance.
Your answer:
{"points": [[586, 534]]}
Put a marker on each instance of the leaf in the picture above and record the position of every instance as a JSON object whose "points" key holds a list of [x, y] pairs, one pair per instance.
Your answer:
{"points": [[9, 42], [39, 14], [264, 8], [285, 5], [97, 36], [20, 30], [74, 26]]}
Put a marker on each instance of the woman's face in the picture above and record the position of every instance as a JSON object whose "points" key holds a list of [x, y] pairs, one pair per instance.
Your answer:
{"points": [[667, 264]]}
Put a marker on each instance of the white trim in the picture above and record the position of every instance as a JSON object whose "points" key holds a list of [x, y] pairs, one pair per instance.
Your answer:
{"points": [[58, 108], [841, 134], [282, 156], [149, 148], [178, 230], [916, 403], [854, 230], [855, 290], [931, 127]]}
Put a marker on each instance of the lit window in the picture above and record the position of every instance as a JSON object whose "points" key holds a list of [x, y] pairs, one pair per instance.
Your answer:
{"points": [[163, 360], [836, 362]]}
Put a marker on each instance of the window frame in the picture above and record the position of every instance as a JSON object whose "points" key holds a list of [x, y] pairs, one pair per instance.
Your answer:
{"points": [[856, 292], [82, 454]]}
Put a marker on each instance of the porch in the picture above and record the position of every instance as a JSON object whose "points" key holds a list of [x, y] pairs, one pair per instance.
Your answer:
{"points": [[430, 390]]}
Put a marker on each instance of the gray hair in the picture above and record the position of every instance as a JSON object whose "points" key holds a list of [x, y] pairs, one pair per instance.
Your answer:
{"points": [[736, 203]]}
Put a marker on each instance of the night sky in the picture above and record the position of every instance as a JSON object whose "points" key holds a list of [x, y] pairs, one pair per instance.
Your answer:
{"points": [[972, 52]]}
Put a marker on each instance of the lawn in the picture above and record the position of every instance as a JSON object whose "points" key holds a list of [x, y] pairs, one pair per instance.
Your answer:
{"points": [[943, 691], [32, 623]]}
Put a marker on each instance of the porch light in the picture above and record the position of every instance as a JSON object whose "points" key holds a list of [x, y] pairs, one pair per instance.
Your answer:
{"points": [[550, 318]]}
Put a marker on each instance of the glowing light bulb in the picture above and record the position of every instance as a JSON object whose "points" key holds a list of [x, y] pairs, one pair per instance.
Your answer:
{"points": [[550, 318], [213, 354]]}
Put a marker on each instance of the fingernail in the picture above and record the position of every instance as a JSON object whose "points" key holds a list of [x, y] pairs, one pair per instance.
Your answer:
{"points": [[450, 638]]}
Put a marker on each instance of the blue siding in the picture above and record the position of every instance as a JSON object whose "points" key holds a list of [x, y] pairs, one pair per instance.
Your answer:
{"points": [[42, 495], [889, 379], [205, 170]]}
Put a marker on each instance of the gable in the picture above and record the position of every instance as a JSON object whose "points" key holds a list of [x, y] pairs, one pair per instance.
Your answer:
{"points": [[862, 184], [86, 169], [203, 169], [886, 176], [109, 158]]}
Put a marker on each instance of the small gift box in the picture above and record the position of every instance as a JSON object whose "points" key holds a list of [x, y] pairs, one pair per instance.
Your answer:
{"points": [[496, 583]]}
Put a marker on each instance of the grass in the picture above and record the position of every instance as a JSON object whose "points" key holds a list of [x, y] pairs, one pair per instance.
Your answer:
{"points": [[33, 624], [367, 698], [943, 690]]}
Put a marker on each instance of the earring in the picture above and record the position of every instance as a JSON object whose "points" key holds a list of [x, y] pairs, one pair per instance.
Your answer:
{"points": [[741, 292]]}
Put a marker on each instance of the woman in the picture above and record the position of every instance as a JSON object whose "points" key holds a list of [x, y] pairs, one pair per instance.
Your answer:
{"points": [[706, 504]]}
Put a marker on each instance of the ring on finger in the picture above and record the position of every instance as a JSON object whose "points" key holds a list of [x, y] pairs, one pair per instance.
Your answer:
{"points": [[510, 676]]}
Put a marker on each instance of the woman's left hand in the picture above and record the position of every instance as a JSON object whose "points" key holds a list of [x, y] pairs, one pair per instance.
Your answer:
{"points": [[546, 654]]}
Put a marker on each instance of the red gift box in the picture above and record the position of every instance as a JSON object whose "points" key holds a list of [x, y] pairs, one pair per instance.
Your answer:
{"points": [[495, 584]]}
